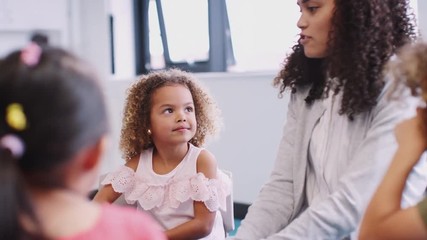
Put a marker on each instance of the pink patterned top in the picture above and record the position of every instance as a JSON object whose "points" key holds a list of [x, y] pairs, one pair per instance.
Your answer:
{"points": [[121, 223], [169, 198]]}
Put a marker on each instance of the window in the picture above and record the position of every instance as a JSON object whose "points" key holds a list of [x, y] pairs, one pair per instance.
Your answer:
{"points": [[216, 35], [192, 35]]}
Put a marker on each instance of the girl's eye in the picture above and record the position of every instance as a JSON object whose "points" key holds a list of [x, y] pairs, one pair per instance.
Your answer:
{"points": [[168, 110], [189, 109]]}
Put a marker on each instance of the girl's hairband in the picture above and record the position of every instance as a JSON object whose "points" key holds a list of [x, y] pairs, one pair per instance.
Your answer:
{"points": [[30, 55], [14, 144]]}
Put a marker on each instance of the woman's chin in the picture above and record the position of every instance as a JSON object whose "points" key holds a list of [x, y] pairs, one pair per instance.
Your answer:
{"points": [[314, 54]]}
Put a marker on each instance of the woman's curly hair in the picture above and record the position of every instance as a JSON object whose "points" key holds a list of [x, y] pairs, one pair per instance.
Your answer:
{"points": [[136, 117], [364, 34]]}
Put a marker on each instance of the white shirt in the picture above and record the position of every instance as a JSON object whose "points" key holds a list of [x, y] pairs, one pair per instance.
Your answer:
{"points": [[323, 170]]}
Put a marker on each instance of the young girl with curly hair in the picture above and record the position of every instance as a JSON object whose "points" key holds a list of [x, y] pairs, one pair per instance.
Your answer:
{"points": [[384, 217], [167, 118], [53, 127], [338, 139]]}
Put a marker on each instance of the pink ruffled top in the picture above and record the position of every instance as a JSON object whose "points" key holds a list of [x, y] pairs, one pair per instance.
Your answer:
{"points": [[169, 197]]}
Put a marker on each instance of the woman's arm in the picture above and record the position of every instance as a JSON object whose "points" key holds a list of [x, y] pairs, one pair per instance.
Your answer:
{"points": [[203, 221], [384, 218]]}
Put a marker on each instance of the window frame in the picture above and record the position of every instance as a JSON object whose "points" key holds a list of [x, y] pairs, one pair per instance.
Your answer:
{"points": [[221, 54]]}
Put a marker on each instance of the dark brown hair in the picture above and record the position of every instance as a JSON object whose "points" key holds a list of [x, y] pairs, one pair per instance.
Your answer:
{"points": [[365, 34], [65, 112]]}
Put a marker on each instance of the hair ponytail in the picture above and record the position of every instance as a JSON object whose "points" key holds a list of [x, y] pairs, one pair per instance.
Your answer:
{"points": [[14, 200]]}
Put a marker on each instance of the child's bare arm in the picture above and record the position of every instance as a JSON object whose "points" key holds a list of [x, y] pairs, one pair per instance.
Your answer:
{"points": [[106, 194], [384, 217]]}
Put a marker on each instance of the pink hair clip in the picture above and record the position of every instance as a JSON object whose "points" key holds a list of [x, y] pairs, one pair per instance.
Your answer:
{"points": [[30, 55], [14, 144]]}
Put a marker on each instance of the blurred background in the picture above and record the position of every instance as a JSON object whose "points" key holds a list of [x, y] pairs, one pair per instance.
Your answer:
{"points": [[234, 46]]}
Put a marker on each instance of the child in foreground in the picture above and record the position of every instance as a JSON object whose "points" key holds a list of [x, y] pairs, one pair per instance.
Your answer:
{"points": [[384, 218], [53, 128], [167, 118]]}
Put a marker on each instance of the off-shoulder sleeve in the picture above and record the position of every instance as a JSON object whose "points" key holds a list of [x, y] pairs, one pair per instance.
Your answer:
{"points": [[213, 192], [122, 180]]}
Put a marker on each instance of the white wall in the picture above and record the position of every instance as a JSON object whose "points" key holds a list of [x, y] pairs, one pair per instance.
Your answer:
{"points": [[17, 20], [77, 25], [422, 17]]}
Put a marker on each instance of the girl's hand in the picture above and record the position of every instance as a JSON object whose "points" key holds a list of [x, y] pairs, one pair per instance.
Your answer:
{"points": [[411, 134]]}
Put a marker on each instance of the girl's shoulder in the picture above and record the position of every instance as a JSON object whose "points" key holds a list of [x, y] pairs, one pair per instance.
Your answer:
{"points": [[205, 156], [133, 162], [207, 164]]}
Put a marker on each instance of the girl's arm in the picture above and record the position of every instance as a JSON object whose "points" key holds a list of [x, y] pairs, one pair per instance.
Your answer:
{"points": [[203, 221], [384, 218], [106, 193]]}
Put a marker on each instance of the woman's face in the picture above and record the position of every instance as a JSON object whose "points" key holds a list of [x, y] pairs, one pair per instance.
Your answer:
{"points": [[315, 25]]}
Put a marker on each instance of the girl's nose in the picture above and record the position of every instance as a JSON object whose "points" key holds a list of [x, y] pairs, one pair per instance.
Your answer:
{"points": [[180, 117]]}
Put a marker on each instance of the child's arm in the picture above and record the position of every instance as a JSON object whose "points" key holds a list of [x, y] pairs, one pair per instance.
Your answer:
{"points": [[384, 218], [106, 193], [203, 221]]}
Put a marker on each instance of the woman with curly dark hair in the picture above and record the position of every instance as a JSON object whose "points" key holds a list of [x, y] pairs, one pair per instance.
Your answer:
{"points": [[338, 139], [167, 117]]}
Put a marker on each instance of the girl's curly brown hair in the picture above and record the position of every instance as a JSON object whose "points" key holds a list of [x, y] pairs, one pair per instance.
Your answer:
{"points": [[136, 117], [365, 33]]}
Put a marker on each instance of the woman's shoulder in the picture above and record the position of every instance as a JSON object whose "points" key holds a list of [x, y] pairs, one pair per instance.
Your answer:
{"points": [[397, 96], [300, 91]]}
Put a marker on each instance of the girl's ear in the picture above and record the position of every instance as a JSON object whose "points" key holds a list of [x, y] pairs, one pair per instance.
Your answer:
{"points": [[93, 154]]}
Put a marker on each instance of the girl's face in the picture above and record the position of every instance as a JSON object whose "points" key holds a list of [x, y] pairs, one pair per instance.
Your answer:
{"points": [[315, 25], [173, 117]]}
